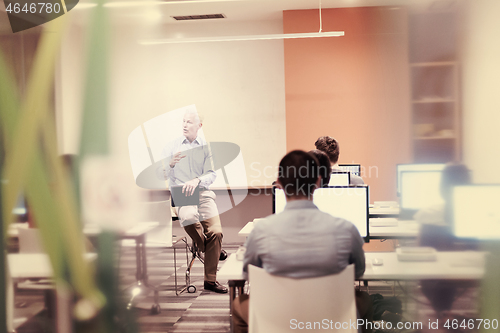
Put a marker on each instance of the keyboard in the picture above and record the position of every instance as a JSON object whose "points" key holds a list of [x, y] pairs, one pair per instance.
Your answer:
{"points": [[383, 222]]}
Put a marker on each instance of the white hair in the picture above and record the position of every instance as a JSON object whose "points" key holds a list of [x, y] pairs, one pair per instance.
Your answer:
{"points": [[199, 117]]}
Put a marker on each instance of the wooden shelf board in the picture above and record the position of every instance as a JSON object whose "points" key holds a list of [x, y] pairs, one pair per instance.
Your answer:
{"points": [[433, 100], [435, 138], [433, 64]]}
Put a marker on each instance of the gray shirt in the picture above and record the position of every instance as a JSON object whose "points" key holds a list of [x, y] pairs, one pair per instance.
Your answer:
{"points": [[197, 163], [303, 242]]}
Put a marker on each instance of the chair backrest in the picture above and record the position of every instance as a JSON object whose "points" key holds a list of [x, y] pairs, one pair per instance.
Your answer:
{"points": [[30, 241], [281, 304]]}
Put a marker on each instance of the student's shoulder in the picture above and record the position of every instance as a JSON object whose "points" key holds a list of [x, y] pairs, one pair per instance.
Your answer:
{"points": [[356, 180], [333, 220], [264, 223]]}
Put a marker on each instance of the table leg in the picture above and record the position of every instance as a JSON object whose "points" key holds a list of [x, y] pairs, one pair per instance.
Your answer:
{"points": [[142, 241], [234, 286], [141, 275], [138, 262]]}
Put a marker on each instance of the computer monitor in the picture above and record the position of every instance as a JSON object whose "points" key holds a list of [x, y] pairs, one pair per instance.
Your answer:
{"points": [[347, 202], [20, 211], [475, 212], [340, 178], [355, 169], [416, 167], [420, 189]]}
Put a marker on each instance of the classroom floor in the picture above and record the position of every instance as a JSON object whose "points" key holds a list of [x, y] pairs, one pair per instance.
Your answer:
{"points": [[204, 311]]}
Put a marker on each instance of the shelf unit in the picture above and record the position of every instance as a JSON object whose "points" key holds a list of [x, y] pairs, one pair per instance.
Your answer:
{"points": [[435, 96]]}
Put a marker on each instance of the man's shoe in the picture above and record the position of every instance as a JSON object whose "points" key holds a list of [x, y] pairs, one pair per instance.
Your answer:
{"points": [[215, 287], [223, 255]]}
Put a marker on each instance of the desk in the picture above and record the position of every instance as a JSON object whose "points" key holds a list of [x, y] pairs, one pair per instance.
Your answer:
{"points": [[24, 266], [33, 265], [246, 230], [383, 212], [138, 234], [404, 229], [460, 265], [13, 230]]}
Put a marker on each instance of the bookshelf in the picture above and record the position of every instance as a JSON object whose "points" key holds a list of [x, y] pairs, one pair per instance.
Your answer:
{"points": [[435, 95]]}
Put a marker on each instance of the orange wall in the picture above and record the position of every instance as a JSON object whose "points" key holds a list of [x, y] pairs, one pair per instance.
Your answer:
{"points": [[354, 88]]}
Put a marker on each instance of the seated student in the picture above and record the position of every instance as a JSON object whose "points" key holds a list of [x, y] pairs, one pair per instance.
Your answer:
{"points": [[436, 232], [325, 167], [327, 244], [330, 146]]}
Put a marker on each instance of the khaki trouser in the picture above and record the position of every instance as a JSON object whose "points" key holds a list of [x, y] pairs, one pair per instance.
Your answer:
{"points": [[206, 230]]}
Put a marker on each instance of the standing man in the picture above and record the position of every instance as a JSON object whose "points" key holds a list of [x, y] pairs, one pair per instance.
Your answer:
{"points": [[188, 162]]}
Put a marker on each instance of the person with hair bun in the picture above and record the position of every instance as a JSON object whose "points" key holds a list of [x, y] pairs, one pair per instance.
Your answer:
{"points": [[330, 146]]}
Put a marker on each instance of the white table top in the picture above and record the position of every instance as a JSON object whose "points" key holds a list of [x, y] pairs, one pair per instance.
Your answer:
{"points": [[138, 230], [13, 230], [383, 210], [93, 229], [232, 269], [404, 229], [246, 230], [33, 265], [461, 265]]}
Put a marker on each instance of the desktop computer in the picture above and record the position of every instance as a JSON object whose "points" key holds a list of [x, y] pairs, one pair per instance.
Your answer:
{"points": [[355, 169], [415, 167], [419, 189], [347, 202], [340, 178], [475, 212]]}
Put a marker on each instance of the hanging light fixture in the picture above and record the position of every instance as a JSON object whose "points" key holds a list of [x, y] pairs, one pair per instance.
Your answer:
{"points": [[320, 33]]}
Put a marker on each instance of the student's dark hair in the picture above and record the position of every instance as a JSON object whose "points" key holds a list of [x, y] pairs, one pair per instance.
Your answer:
{"points": [[325, 167], [298, 173], [330, 146], [453, 174]]}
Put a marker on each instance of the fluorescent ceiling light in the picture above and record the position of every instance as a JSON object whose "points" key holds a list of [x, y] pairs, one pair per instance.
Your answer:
{"points": [[155, 3], [241, 38]]}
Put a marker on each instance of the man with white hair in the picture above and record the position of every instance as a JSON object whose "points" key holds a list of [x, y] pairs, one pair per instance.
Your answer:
{"points": [[188, 162]]}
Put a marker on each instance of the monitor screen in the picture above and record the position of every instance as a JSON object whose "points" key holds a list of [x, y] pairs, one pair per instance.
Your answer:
{"points": [[339, 178], [416, 167], [420, 189], [475, 212], [20, 211], [355, 169], [347, 202]]}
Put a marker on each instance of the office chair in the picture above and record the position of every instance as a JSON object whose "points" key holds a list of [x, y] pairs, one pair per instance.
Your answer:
{"points": [[277, 302], [195, 254]]}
